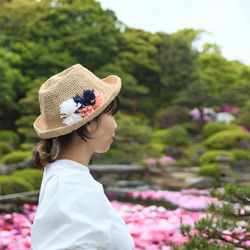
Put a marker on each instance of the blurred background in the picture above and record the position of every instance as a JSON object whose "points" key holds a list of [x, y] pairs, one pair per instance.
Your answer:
{"points": [[185, 112]]}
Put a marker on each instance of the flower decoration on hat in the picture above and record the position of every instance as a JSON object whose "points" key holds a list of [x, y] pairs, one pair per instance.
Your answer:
{"points": [[78, 107]]}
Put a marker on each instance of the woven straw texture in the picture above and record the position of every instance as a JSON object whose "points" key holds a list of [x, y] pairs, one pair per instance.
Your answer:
{"points": [[64, 86]]}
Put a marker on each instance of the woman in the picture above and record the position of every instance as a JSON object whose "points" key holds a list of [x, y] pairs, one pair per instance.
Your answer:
{"points": [[77, 119]]}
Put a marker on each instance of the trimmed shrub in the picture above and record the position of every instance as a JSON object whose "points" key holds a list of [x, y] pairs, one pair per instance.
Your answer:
{"points": [[9, 136], [159, 147], [211, 170], [27, 146], [31, 176], [226, 139], [211, 155], [212, 128], [191, 128], [174, 136], [5, 148], [11, 184], [240, 154], [16, 156]]}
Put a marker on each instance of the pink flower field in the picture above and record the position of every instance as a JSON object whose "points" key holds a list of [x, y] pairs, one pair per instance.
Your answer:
{"points": [[151, 227]]}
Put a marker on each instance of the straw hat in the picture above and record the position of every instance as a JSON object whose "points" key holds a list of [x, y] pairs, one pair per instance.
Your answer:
{"points": [[59, 108]]}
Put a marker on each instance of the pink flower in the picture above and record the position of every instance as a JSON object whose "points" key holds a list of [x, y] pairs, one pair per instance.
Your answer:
{"points": [[244, 128], [85, 110], [151, 160], [99, 100], [166, 159]]}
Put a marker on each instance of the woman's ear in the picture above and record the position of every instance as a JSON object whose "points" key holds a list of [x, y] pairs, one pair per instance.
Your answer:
{"points": [[91, 126]]}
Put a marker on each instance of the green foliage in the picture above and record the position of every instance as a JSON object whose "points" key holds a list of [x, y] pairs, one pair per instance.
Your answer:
{"points": [[31, 176], [41, 38], [212, 128], [240, 154], [229, 219], [197, 95], [25, 126], [174, 136], [27, 146], [5, 148], [11, 184], [215, 70], [226, 139], [177, 61], [243, 115], [211, 155], [9, 93], [166, 118], [186, 163], [16, 156], [9, 136], [159, 146], [209, 170], [132, 142], [236, 94], [191, 128]]}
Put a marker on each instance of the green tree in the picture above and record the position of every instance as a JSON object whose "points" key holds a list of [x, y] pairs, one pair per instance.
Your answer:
{"points": [[197, 95], [215, 70], [41, 38], [138, 56], [177, 61], [9, 93]]}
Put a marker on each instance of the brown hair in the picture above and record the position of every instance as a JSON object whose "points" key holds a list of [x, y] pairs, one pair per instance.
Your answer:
{"points": [[46, 150]]}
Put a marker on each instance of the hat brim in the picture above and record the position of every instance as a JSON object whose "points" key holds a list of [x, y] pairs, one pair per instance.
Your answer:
{"points": [[44, 133]]}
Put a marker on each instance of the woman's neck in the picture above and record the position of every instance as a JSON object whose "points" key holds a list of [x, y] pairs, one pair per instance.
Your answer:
{"points": [[77, 150]]}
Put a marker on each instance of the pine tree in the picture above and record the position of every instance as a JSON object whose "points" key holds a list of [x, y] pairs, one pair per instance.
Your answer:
{"points": [[227, 224]]}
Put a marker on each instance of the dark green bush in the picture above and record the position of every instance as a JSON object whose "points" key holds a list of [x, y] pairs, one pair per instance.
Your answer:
{"points": [[211, 170], [134, 140], [226, 139], [212, 128], [241, 154], [211, 155], [16, 156], [32, 176], [174, 136], [191, 128], [5, 148], [9, 136], [171, 116], [11, 184]]}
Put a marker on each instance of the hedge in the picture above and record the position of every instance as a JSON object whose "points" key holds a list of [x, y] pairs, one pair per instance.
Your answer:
{"points": [[226, 139], [212, 128], [9, 136], [31, 176], [211, 170], [211, 155], [176, 135], [12, 184], [16, 156], [5, 148]]}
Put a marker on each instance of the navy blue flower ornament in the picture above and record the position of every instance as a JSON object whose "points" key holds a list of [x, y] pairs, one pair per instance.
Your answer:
{"points": [[87, 100]]}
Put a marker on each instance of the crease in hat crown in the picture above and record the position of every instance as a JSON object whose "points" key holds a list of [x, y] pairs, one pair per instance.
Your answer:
{"points": [[64, 86]]}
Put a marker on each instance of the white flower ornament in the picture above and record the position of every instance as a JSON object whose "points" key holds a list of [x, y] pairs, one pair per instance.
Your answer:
{"points": [[68, 109]]}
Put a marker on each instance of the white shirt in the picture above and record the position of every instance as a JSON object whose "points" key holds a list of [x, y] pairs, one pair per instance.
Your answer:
{"points": [[74, 212]]}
